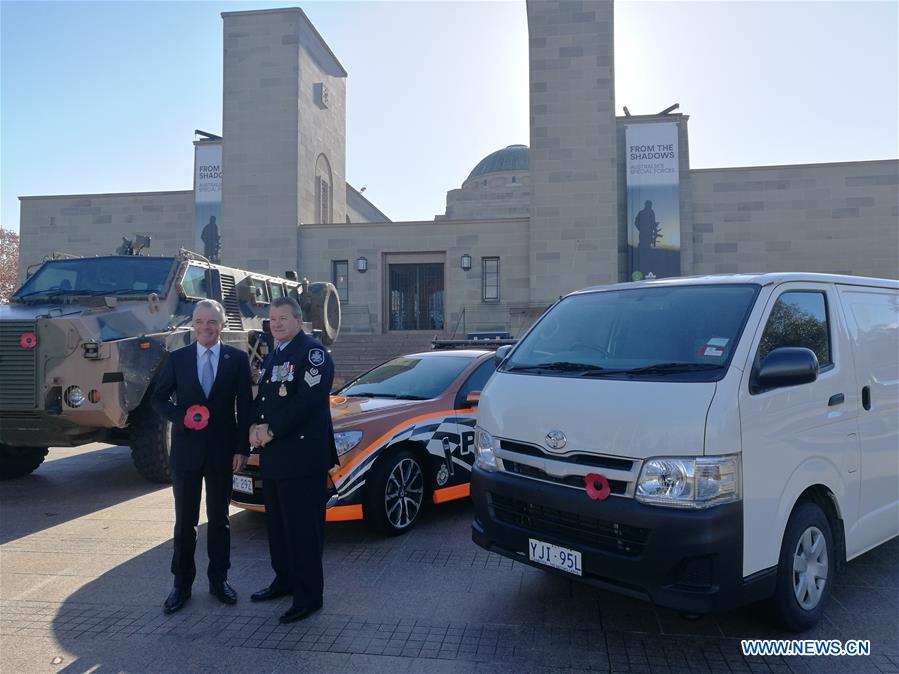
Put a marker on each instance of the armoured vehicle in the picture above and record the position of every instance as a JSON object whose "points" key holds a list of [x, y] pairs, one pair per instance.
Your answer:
{"points": [[83, 339]]}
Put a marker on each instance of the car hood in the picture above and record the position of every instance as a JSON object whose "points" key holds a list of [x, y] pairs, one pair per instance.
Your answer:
{"points": [[631, 418], [349, 411]]}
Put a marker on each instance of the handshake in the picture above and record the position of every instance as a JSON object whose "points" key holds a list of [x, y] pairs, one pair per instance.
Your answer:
{"points": [[260, 435]]}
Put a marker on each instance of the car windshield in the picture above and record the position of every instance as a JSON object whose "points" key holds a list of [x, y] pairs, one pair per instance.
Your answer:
{"points": [[97, 276], [408, 378], [685, 332]]}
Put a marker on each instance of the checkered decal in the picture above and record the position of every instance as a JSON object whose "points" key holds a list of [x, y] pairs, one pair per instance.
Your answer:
{"points": [[430, 433]]}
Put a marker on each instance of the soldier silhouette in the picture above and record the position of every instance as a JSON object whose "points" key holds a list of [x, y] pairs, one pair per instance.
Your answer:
{"points": [[211, 240]]}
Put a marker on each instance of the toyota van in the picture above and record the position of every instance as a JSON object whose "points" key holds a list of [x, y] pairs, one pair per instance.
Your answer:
{"points": [[700, 442]]}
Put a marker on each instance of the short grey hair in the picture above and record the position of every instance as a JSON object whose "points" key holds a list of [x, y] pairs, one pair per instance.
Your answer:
{"points": [[289, 302], [214, 306]]}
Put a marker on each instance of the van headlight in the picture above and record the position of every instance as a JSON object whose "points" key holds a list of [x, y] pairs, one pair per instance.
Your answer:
{"points": [[484, 447], [690, 482], [347, 440]]}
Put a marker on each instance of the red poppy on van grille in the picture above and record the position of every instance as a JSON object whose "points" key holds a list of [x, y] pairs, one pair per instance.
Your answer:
{"points": [[197, 417], [597, 486], [28, 340]]}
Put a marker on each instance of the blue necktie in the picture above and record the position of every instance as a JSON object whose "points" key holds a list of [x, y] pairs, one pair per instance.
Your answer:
{"points": [[208, 373]]}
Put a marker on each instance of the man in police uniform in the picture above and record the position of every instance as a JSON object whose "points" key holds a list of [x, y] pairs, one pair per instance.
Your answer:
{"points": [[293, 429]]}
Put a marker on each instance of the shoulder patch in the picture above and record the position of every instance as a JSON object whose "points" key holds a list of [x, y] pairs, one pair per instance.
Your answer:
{"points": [[316, 357]]}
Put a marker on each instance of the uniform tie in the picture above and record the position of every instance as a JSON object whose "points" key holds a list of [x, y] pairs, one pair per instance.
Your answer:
{"points": [[208, 373]]}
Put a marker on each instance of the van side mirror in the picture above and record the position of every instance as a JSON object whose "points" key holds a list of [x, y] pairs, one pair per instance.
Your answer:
{"points": [[786, 366], [501, 354], [473, 398]]}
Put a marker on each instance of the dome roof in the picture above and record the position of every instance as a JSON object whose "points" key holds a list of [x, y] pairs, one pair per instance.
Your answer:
{"points": [[512, 158]]}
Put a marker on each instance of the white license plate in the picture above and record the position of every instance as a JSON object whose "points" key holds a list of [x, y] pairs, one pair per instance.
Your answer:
{"points": [[555, 556], [242, 483]]}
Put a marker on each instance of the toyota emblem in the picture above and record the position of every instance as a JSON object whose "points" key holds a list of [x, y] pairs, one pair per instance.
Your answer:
{"points": [[556, 440]]}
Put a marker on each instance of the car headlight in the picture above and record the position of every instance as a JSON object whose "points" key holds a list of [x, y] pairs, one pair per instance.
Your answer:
{"points": [[690, 482], [484, 447], [346, 441], [74, 396]]}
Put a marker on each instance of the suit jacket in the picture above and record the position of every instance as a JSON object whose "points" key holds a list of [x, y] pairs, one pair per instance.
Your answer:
{"points": [[300, 420], [229, 404]]}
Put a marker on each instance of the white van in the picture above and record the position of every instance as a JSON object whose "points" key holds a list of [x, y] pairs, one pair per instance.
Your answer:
{"points": [[700, 442]]}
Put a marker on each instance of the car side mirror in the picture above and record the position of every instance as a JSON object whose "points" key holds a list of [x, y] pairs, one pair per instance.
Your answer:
{"points": [[787, 366], [501, 354], [473, 398]]}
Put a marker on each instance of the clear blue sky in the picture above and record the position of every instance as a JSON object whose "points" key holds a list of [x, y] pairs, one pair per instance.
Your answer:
{"points": [[104, 96]]}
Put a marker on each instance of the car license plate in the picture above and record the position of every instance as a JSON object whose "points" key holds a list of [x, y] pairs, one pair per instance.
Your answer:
{"points": [[243, 483], [555, 556]]}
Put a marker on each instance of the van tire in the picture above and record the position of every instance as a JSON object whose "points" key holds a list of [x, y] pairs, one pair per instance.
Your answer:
{"points": [[324, 311], [807, 560], [20, 461], [398, 470], [151, 444]]}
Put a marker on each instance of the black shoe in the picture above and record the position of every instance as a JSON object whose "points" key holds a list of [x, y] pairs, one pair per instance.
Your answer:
{"points": [[223, 592], [271, 592], [176, 600], [295, 613]]}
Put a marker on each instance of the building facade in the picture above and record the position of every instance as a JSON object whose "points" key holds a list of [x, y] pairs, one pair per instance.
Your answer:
{"points": [[528, 223]]}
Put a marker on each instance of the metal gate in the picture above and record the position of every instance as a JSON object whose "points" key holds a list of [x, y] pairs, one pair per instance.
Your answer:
{"points": [[415, 293]]}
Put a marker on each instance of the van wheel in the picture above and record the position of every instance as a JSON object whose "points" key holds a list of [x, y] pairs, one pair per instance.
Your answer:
{"points": [[396, 494], [19, 461], [805, 570], [151, 444]]}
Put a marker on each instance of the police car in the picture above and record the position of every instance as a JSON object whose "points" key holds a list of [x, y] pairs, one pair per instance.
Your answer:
{"points": [[405, 438]]}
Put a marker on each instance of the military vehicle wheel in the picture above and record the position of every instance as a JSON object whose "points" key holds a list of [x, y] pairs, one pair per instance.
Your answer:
{"points": [[396, 493], [19, 461], [324, 310], [151, 444]]}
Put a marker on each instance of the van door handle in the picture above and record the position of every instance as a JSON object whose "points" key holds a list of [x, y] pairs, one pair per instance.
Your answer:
{"points": [[836, 399], [866, 397]]}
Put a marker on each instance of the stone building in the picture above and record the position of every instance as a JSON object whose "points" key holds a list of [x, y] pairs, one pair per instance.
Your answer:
{"points": [[526, 225]]}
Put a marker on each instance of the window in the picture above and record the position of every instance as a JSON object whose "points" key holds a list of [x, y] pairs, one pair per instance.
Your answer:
{"points": [[340, 277], [798, 319], [194, 282], [324, 207], [475, 382], [277, 290], [490, 279]]}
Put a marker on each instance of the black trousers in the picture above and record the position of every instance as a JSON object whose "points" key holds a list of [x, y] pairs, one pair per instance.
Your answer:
{"points": [[187, 486], [295, 516]]}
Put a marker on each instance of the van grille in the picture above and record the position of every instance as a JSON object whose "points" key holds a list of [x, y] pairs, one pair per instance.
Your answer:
{"points": [[570, 529], [17, 367], [607, 462], [617, 487]]}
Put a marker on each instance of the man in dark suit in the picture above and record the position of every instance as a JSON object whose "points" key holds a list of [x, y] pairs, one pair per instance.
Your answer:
{"points": [[293, 428], [214, 376]]}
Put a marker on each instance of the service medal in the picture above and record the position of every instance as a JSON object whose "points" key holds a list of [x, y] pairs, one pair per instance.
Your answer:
{"points": [[282, 391]]}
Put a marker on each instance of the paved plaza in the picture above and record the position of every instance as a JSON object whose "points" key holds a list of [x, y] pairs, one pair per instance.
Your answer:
{"points": [[84, 556]]}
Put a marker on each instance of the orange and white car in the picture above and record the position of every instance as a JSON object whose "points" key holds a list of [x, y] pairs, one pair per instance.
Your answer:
{"points": [[405, 438]]}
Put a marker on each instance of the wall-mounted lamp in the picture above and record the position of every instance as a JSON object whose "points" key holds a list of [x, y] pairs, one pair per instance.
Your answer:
{"points": [[466, 262], [361, 265]]}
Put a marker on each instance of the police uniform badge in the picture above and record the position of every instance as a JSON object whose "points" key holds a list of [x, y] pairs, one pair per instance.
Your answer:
{"points": [[316, 357]]}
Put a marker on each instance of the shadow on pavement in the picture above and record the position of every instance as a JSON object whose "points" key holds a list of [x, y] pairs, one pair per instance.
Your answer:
{"points": [[66, 488]]}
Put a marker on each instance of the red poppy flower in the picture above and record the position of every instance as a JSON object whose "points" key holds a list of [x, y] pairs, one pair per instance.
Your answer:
{"points": [[28, 340], [197, 417], [597, 486]]}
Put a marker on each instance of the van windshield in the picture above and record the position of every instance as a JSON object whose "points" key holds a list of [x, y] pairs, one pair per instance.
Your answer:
{"points": [[686, 333], [118, 275]]}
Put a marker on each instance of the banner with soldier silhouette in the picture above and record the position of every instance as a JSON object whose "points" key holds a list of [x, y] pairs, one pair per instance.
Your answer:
{"points": [[208, 198], [653, 200]]}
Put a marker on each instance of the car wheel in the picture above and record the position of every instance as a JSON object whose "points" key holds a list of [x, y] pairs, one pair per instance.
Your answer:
{"points": [[151, 444], [805, 570], [19, 461], [395, 493]]}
